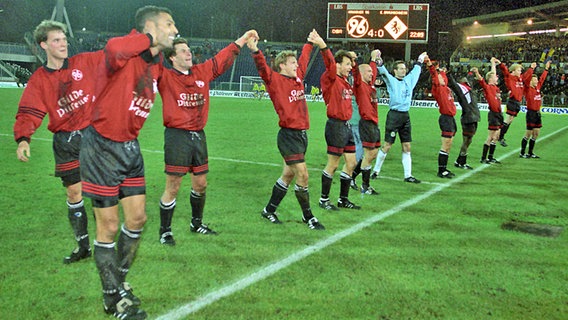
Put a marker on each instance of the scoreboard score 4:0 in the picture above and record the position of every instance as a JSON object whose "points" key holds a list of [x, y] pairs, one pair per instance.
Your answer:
{"points": [[378, 22]]}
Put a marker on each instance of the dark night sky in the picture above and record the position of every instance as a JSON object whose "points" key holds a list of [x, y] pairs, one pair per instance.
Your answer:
{"points": [[222, 18]]}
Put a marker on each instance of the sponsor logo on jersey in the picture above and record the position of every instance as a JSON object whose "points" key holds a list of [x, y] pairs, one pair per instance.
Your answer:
{"points": [[296, 95], [71, 101], [191, 100]]}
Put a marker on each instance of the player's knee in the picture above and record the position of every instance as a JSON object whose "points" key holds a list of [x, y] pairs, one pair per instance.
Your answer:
{"points": [[171, 192], [302, 178], [74, 193], [199, 184], [135, 220], [199, 188]]}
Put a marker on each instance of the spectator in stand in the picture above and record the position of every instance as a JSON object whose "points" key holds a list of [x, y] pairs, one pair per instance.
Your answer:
{"points": [[562, 98], [514, 80], [533, 117], [492, 94], [446, 121]]}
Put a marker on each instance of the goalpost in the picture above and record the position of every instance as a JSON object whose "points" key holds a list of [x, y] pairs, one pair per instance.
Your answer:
{"points": [[246, 83]]}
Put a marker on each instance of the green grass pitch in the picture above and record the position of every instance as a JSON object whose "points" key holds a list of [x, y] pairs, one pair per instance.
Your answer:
{"points": [[429, 251]]}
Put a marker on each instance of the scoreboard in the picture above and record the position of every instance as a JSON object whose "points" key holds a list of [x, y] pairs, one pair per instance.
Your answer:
{"points": [[378, 22]]}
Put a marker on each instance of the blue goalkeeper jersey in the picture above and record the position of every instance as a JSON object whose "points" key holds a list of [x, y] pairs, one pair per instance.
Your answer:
{"points": [[400, 91]]}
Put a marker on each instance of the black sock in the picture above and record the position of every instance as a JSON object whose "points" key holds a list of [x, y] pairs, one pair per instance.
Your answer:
{"points": [[345, 180], [326, 180], [357, 170], [106, 261], [279, 191], [531, 146], [462, 159], [128, 242], [366, 175], [442, 161], [485, 150], [79, 222], [197, 201], [492, 150], [504, 130], [524, 145], [166, 215], [303, 197]]}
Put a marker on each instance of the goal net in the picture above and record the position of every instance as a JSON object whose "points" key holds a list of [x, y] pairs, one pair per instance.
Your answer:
{"points": [[246, 83]]}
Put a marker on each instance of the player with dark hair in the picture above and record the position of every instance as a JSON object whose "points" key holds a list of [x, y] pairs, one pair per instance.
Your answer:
{"points": [[185, 98], [64, 89], [399, 87], [492, 94], [112, 164], [337, 94], [446, 121], [366, 94], [286, 90], [533, 117], [514, 80], [469, 117]]}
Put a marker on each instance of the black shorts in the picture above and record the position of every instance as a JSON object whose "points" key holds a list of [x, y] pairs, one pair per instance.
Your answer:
{"points": [[513, 107], [534, 119], [447, 125], [469, 129], [292, 145], [66, 149], [495, 120], [370, 134], [110, 170], [398, 122], [185, 151], [339, 137]]}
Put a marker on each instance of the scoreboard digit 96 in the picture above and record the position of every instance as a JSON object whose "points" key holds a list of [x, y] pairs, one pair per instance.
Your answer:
{"points": [[378, 22]]}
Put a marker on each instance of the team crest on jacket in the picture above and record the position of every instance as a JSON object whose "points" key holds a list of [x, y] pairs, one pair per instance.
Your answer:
{"points": [[200, 83], [76, 74]]}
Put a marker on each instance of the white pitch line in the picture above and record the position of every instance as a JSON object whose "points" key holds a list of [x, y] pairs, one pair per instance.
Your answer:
{"points": [[265, 272]]}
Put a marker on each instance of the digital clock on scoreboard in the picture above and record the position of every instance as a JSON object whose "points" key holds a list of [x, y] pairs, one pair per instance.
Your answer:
{"points": [[386, 22]]}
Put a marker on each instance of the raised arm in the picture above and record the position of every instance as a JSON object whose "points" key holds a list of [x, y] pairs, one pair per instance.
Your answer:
{"points": [[119, 50], [527, 75], [452, 84], [262, 67], [414, 74], [373, 63], [476, 74], [495, 62], [432, 70], [543, 75], [316, 39], [245, 37]]}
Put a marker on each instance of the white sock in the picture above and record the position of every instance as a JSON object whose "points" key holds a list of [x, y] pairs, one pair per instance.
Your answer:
{"points": [[407, 164], [380, 160]]}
